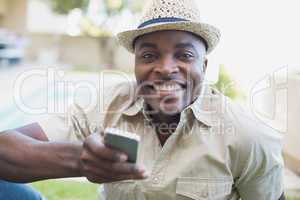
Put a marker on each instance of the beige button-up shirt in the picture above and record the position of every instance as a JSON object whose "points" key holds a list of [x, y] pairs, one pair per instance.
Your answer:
{"points": [[216, 152]]}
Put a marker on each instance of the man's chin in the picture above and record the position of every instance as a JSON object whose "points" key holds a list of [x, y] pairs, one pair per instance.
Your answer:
{"points": [[170, 109], [170, 106]]}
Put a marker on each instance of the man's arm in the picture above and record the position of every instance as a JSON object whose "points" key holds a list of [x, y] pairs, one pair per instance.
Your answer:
{"points": [[26, 156]]}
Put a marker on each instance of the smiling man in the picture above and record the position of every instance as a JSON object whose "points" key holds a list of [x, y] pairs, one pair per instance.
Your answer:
{"points": [[170, 68], [195, 143]]}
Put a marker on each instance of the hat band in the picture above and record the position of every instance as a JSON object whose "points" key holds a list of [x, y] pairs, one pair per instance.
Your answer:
{"points": [[160, 20]]}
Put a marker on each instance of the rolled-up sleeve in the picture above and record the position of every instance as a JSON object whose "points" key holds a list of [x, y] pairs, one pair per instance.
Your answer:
{"points": [[70, 126], [78, 122]]}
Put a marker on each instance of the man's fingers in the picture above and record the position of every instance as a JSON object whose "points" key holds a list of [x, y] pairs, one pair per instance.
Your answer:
{"points": [[95, 145], [101, 164], [128, 177], [117, 167], [100, 176], [124, 168], [98, 179]]}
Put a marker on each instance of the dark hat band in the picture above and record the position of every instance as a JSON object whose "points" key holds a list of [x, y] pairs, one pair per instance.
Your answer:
{"points": [[160, 20]]}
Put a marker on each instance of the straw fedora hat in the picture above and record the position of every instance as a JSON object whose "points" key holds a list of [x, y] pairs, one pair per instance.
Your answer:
{"points": [[180, 15]]}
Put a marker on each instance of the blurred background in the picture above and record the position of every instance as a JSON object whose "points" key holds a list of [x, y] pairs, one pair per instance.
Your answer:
{"points": [[71, 41]]}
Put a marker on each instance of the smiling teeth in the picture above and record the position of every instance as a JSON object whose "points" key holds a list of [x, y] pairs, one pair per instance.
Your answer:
{"points": [[168, 87]]}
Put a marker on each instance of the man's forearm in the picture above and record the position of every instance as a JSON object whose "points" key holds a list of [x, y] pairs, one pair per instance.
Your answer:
{"points": [[24, 159]]}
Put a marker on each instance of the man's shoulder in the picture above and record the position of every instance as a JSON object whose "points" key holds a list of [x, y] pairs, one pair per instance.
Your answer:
{"points": [[248, 128], [243, 130], [239, 122], [251, 143], [124, 88], [251, 138], [118, 96]]}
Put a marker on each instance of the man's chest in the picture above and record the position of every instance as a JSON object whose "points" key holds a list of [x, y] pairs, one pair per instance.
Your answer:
{"points": [[188, 166]]}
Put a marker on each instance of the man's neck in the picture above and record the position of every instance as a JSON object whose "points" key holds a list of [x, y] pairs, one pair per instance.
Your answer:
{"points": [[165, 124]]}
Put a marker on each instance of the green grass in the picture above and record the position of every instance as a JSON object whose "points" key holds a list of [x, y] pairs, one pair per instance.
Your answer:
{"points": [[72, 190], [67, 190]]}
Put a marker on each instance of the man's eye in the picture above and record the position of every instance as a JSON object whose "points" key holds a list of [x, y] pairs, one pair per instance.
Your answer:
{"points": [[148, 56], [186, 56]]}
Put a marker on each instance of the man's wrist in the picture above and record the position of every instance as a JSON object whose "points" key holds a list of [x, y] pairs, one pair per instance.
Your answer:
{"points": [[64, 157]]}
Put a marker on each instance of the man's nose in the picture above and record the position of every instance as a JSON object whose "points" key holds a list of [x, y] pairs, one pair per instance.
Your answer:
{"points": [[167, 66]]}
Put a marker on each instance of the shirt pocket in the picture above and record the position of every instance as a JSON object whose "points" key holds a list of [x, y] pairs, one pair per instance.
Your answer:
{"points": [[188, 188]]}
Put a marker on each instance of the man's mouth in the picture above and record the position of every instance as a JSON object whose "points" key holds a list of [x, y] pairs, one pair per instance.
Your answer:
{"points": [[165, 95], [166, 87]]}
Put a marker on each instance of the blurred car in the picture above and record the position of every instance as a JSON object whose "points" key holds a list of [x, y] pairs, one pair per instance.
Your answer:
{"points": [[11, 48]]}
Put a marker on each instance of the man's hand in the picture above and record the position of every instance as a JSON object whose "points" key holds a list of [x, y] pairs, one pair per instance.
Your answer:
{"points": [[101, 164]]}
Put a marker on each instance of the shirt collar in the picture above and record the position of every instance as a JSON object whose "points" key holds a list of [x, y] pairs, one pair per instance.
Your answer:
{"points": [[135, 107], [204, 107]]}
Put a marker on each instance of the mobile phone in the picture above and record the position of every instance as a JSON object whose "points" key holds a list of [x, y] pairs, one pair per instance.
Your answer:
{"points": [[123, 141]]}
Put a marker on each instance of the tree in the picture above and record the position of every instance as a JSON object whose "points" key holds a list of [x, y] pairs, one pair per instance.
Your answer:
{"points": [[227, 85], [92, 27], [112, 7], [64, 6]]}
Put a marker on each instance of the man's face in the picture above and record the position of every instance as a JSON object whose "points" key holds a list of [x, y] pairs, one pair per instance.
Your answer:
{"points": [[169, 68]]}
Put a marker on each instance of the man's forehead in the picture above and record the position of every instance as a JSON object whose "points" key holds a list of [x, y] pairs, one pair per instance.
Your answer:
{"points": [[166, 33], [171, 35]]}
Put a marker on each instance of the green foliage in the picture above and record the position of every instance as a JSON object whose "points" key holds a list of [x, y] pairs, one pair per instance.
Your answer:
{"points": [[226, 85], [64, 6], [67, 190], [70, 190], [112, 7]]}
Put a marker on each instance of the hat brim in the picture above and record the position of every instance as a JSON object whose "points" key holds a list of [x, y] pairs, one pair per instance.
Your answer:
{"points": [[208, 32]]}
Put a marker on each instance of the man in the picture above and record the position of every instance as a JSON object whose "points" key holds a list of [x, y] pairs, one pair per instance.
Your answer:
{"points": [[195, 143]]}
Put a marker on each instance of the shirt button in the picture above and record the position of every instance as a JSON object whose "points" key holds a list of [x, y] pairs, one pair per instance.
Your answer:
{"points": [[155, 180]]}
